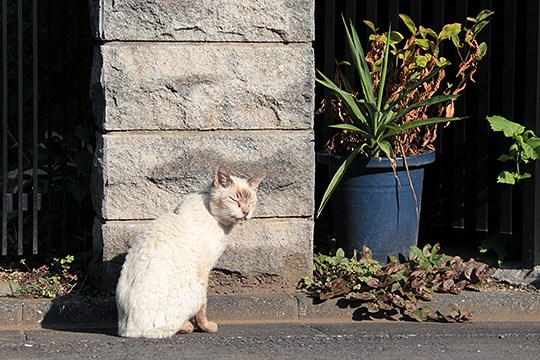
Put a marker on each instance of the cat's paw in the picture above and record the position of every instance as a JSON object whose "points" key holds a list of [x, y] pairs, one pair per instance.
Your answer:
{"points": [[187, 328], [208, 326]]}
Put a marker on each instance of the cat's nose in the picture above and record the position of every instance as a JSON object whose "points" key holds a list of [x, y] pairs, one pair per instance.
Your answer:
{"points": [[246, 213]]}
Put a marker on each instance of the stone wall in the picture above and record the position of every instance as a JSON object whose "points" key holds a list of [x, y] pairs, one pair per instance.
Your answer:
{"points": [[179, 87]]}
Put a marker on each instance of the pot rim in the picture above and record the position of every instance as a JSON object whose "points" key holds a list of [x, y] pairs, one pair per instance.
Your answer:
{"points": [[428, 157]]}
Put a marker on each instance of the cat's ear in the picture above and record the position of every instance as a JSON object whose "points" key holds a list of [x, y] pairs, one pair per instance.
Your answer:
{"points": [[222, 178], [255, 181]]}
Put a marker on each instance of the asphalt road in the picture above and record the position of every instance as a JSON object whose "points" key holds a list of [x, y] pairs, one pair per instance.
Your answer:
{"points": [[353, 340]]}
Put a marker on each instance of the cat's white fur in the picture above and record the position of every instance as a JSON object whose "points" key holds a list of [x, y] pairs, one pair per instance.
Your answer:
{"points": [[163, 283]]}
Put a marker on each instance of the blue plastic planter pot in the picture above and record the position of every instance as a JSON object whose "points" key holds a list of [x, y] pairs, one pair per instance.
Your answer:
{"points": [[372, 206]]}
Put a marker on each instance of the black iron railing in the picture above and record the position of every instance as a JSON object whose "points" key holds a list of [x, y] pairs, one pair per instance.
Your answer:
{"points": [[20, 196], [47, 127]]}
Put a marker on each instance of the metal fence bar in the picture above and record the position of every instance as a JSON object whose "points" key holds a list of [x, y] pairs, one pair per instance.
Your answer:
{"points": [[20, 139], [416, 11], [4, 127], [49, 85], [481, 187], [35, 173], [65, 160], [531, 189], [506, 217]]}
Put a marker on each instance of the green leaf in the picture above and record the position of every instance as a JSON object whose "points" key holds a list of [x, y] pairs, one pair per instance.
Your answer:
{"points": [[505, 157], [336, 179], [422, 60], [506, 177], [442, 61], [431, 101], [450, 30], [479, 26], [370, 25], [359, 60], [434, 256], [484, 14], [347, 85], [377, 65], [528, 153], [534, 143], [483, 51], [424, 32], [395, 37], [509, 128], [423, 43], [30, 172], [409, 23], [416, 252], [383, 74], [348, 127], [457, 42], [344, 62], [522, 176], [480, 21], [387, 150], [498, 243], [345, 96], [414, 124]]}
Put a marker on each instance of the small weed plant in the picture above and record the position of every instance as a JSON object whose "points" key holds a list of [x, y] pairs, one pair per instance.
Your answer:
{"points": [[47, 281], [524, 147], [396, 290]]}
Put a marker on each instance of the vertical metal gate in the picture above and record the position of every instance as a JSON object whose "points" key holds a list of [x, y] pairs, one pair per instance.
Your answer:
{"points": [[47, 128], [21, 130], [461, 189]]}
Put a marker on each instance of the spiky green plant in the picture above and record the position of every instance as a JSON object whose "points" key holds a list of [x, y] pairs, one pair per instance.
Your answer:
{"points": [[373, 115], [403, 96]]}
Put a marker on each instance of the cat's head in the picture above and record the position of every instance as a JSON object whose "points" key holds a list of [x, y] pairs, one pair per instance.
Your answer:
{"points": [[233, 199]]}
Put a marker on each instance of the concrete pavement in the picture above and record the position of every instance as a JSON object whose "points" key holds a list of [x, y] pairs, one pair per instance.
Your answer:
{"points": [[292, 340]]}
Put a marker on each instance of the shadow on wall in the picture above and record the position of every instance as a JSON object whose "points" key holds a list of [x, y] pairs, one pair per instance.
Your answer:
{"points": [[105, 274]]}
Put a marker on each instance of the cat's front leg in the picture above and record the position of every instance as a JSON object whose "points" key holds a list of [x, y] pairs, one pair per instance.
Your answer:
{"points": [[202, 322]]}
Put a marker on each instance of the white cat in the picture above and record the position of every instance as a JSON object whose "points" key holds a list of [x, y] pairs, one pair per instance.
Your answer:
{"points": [[163, 283]]}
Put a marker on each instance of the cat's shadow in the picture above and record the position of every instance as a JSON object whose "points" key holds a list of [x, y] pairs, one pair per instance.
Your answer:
{"points": [[94, 312], [82, 314]]}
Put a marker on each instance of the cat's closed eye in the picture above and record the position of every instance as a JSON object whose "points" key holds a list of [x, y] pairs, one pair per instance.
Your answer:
{"points": [[235, 200]]}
